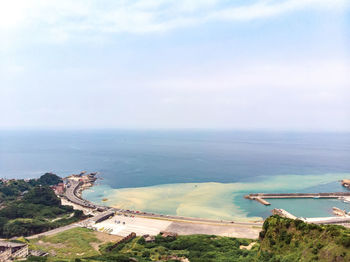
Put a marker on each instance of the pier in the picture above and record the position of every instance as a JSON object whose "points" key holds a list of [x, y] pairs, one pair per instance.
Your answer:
{"points": [[262, 201], [260, 197]]}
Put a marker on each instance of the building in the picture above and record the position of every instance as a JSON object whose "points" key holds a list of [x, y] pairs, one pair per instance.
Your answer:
{"points": [[149, 239], [168, 234], [103, 216], [58, 189], [11, 250]]}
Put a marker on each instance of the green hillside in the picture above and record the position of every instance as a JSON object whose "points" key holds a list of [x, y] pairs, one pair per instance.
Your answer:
{"points": [[31, 207], [281, 240], [293, 240]]}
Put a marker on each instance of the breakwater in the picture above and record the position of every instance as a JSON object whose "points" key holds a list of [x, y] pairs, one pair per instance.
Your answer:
{"points": [[260, 197]]}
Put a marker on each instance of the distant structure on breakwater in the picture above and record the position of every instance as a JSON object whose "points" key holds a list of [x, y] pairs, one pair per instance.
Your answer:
{"points": [[345, 183]]}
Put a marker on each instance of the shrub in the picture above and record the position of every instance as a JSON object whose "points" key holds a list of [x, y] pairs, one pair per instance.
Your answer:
{"points": [[262, 234], [146, 253], [288, 238], [36, 259], [345, 241], [42, 195], [141, 241]]}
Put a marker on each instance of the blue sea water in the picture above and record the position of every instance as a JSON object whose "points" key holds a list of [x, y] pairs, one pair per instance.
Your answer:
{"points": [[132, 159]]}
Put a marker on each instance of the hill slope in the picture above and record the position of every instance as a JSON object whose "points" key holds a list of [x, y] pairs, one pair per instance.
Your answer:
{"points": [[281, 240], [294, 240]]}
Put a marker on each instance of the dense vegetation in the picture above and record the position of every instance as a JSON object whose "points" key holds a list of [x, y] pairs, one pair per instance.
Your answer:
{"points": [[32, 207], [14, 188], [293, 240], [48, 179], [281, 240], [197, 248]]}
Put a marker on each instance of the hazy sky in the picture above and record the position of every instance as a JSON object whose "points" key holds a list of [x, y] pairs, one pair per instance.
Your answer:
{"points": [[244, 64]]}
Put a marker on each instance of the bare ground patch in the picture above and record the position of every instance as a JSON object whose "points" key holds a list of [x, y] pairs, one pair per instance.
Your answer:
{"points": [[249, 247], [104, 238]]}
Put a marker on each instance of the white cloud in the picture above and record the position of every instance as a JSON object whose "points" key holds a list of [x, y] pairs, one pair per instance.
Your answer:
{"points": [[67, 17], [265, 9]]}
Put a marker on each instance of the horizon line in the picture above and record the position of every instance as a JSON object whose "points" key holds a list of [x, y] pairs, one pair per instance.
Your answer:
{"points": [[266, 130]]}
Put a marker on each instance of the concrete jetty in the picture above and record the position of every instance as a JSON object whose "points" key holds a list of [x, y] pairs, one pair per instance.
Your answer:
{"points": [[262, 201], [260, 197], [283, 213]]}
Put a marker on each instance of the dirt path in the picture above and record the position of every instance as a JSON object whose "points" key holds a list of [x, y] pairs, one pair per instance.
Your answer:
{"points": [[54, 231], [249, 247]]}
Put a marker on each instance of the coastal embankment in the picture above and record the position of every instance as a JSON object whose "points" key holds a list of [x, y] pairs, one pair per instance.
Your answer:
{"points": [[122, 222], [222, 201]]}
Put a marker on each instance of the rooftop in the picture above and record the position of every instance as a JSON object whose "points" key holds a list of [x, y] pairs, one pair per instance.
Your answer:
{"points": [[11, 244]]}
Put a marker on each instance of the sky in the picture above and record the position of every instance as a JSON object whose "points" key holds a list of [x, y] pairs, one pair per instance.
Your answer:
{"points": [[148, 64]]}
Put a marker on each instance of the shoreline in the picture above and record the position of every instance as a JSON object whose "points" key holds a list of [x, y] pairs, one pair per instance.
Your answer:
{"points": [[82, 186], [225, 201], [122, 222], [74, 196]]}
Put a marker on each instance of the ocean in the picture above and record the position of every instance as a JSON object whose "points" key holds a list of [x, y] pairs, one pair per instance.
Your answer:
{"points": [[199, 173]]}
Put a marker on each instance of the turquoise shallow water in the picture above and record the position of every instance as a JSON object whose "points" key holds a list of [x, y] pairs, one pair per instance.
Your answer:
{"points": [[145, 168], [225, 200]]}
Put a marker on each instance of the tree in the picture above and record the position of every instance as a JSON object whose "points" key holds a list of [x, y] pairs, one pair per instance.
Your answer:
{"points": [[49, 179], [42, 195]]}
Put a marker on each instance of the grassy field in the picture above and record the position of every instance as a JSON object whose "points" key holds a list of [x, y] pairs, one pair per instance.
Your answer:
{"points": [[71, 244]]}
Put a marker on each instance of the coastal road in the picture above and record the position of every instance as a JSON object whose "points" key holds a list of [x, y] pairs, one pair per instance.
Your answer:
{"points": [[55, 231], [71, 194], [186, 219]]}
